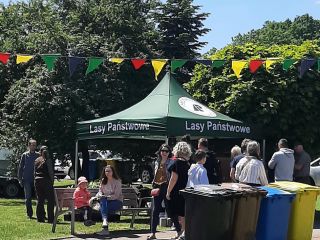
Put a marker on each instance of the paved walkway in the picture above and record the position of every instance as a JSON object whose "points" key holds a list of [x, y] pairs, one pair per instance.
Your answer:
{"points": [[125, 235]]}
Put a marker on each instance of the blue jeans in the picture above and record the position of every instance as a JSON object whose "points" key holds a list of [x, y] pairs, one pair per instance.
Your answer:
{"points": [[109, 206], [27, 186]]}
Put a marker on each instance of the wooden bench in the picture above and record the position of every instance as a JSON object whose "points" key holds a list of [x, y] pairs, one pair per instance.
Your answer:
{"points": [[65, 204]]}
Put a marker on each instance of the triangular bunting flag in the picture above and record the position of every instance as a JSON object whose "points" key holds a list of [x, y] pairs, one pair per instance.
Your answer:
{"points": [[93, 64], [158, 65], [205, 62], [218, 63], [4, 57], [73, 64], [23, 58], [287, 63], [254, 65], [116, 60], [177, 64], [137, 63], [269, 62], [50, 59], [237, 66], [306, 64]]}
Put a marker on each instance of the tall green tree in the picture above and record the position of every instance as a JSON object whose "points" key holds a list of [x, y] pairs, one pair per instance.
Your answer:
{"points": [[302, 28], [180, 24], [46, 105]]}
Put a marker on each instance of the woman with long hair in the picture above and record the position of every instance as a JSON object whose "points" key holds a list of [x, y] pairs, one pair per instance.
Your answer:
{"points": [[110, 194], [178, 181], [160, 183], [44, 178]]}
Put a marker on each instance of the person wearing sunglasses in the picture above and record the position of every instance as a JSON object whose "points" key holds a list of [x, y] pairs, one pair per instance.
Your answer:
{"points": [[160, 185]]}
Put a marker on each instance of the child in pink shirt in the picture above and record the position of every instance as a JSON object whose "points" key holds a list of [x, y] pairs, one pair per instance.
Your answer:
{"points": [[81, 198]]}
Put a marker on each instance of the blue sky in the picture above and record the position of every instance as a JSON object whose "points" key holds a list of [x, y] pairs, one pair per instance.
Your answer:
{"points": [[230, 17]]}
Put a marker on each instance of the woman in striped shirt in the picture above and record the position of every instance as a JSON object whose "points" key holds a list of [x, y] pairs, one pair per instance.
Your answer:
{"points": [[250, 169]]}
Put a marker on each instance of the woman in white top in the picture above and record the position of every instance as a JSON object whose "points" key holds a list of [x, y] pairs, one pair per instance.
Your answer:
{"points": [[250, 170], [110, 193]]}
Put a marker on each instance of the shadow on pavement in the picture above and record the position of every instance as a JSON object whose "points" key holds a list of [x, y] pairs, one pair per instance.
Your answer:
{"points": [[128, 234]]}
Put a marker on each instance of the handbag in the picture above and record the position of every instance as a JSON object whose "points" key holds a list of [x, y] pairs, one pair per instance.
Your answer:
{"points": [[155, 192]]}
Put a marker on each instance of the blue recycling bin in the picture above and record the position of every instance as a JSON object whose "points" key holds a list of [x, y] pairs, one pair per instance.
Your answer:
{"points": [[92, 169], [274, 214]]}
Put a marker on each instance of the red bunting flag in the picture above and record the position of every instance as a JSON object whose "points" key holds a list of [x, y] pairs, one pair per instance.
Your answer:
{"points": [[138, 63], [4, 57], [254, 65]]}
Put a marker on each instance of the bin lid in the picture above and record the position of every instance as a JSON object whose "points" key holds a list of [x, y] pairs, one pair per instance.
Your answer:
{"points": [[294, 186], [212, 191], [245, 189], [274, 192]]}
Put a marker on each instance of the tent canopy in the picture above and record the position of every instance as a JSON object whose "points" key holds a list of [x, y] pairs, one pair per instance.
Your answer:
{"points": [[166, 112]]}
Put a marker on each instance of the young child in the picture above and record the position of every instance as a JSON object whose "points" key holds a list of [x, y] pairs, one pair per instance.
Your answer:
{"points": [[81, 200], [197, 174]]}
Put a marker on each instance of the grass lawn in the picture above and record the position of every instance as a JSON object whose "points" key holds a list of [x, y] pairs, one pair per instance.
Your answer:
{"points": [[14, 224], [63, 183]]}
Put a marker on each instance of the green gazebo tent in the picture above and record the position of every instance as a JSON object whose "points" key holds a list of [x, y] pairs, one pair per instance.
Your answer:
{"points": [[168, 111]]}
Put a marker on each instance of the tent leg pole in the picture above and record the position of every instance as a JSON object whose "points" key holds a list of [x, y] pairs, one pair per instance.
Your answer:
{"points": [[167, 140], [76, 164], [264, 150]]}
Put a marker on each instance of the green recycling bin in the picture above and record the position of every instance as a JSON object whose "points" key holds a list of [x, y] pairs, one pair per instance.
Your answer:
{"points": [[209, 212]]}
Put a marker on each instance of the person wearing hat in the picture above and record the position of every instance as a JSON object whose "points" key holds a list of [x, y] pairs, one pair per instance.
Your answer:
{"points": [[81, 201]]}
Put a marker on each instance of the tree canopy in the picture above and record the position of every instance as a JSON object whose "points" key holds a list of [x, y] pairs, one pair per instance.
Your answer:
{"points": [[46, 105], [288, 32], [279, 102]]}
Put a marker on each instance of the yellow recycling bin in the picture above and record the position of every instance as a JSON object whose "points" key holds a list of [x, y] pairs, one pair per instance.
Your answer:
{"points": [[302, 209]]}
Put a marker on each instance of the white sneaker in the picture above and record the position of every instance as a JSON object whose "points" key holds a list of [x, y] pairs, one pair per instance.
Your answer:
{"points": [[105, 223]]}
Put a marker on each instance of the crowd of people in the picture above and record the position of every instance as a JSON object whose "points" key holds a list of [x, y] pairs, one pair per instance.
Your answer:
{"points": [[175, 169]]}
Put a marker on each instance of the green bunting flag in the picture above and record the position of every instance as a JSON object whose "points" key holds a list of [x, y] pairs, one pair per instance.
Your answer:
{"points": [[177, 64], [94, 64], [218, 63], [287, 63], [49, 60]]}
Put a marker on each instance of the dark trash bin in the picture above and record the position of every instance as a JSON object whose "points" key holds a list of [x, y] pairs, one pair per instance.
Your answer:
{"points": [[209, 212], [247, 209]]}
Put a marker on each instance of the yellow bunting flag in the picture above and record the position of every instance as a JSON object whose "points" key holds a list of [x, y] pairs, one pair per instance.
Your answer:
{"points": [[116, 60], [270, 61], [237, 66], [158, 65], [23, 58]]}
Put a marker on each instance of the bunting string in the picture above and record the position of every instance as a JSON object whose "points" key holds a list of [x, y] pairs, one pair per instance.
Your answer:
{"points": [[158, 64]]}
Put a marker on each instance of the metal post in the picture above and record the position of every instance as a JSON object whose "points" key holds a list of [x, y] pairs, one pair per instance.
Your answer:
{"points": [[76, 165], [264, 150]]}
